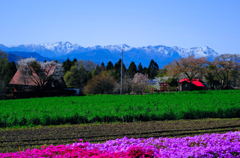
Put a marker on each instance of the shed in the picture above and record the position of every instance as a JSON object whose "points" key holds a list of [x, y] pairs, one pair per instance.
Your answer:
{"points": [[196, 84]]}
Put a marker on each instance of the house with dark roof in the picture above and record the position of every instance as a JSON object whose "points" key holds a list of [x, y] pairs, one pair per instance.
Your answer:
{"points": [[20, 82], [186, 85]]}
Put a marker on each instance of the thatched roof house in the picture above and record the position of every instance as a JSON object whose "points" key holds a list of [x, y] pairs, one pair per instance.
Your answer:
{"points": [[20, 82]]}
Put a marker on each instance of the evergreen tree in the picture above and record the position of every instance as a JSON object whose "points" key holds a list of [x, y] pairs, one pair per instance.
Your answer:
{"points": [[117, 70], [4, 67], [89, 75], [74, 60], [132, 70], [45, 61], [117, 66], [97, 71], [67, 65], [12, 69], [140, 69], [102, 66], [153, 69], [109, 66], [3, 70], [82, 77], [145, 70]]}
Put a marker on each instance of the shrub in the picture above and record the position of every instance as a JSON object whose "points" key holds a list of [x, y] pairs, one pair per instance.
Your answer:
{"points": [[100, 84]]}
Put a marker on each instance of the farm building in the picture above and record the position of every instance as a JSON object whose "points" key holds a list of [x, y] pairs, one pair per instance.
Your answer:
{"points": [[185, 85], [20, 83]]}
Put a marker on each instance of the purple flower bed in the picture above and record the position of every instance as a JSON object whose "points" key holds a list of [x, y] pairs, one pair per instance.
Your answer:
{"points": [[207, 145]]}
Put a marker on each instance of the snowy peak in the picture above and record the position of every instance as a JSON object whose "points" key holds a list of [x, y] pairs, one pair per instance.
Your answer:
{"points": [[60, 47], [196, 51], [65, 48], [117, 48]]}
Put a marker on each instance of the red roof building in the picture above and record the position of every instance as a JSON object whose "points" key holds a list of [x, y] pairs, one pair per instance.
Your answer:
{"points": [[186, 85]]}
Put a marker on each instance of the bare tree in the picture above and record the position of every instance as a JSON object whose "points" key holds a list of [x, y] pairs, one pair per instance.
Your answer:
{"points": [[126, 86], [210, 77], [226, 68], [40, 72], [189, 67]]}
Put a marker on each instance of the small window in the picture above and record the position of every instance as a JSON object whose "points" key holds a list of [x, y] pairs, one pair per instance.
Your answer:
{"points": [[185, 85]]}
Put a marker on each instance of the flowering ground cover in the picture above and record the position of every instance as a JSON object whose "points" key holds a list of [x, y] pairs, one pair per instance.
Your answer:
{"points": [[120, 108], [207, 145], [15, 139]]}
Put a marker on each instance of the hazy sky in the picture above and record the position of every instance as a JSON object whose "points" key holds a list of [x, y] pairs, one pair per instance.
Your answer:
{"points": [[183, 23]]}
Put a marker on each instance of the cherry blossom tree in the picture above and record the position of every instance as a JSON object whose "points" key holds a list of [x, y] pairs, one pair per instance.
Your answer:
{"points": [[40, 72], [140, 83]]}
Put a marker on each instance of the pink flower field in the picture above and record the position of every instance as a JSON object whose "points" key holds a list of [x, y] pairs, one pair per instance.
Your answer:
{"points": [[208, 145]]}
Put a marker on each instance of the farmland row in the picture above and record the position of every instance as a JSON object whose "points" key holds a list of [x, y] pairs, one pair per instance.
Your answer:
{"points": [[116, 108]]}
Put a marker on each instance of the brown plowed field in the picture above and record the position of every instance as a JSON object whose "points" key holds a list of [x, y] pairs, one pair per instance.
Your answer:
{"points": [[12, 139]]}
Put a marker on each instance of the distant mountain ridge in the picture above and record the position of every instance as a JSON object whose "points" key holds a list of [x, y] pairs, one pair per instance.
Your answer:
{"points": [[161, 54], [17, 55]]}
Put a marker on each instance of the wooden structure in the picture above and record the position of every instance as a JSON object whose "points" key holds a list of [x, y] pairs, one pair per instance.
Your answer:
{"points": [[186, 85]]}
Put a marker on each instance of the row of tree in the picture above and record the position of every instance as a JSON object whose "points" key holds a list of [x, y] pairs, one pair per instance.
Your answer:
{"points": [[78, 73], [88, 74]]}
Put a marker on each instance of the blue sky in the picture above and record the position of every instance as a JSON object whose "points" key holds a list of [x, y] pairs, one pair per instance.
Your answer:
{"points": [[183, 23]]}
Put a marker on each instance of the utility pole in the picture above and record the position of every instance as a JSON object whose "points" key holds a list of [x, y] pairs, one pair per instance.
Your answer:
{"points": [[121, 72]]}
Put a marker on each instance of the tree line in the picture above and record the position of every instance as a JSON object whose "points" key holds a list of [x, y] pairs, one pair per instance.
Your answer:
{"points": [[221, 73], [76, 73], [106, 79]]}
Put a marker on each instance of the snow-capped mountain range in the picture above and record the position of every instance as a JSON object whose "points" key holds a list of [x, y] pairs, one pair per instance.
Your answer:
{"points": [[161, 54]]}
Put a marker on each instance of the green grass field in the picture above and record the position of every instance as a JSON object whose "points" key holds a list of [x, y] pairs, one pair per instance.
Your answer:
{"points": [[120, 108]]}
